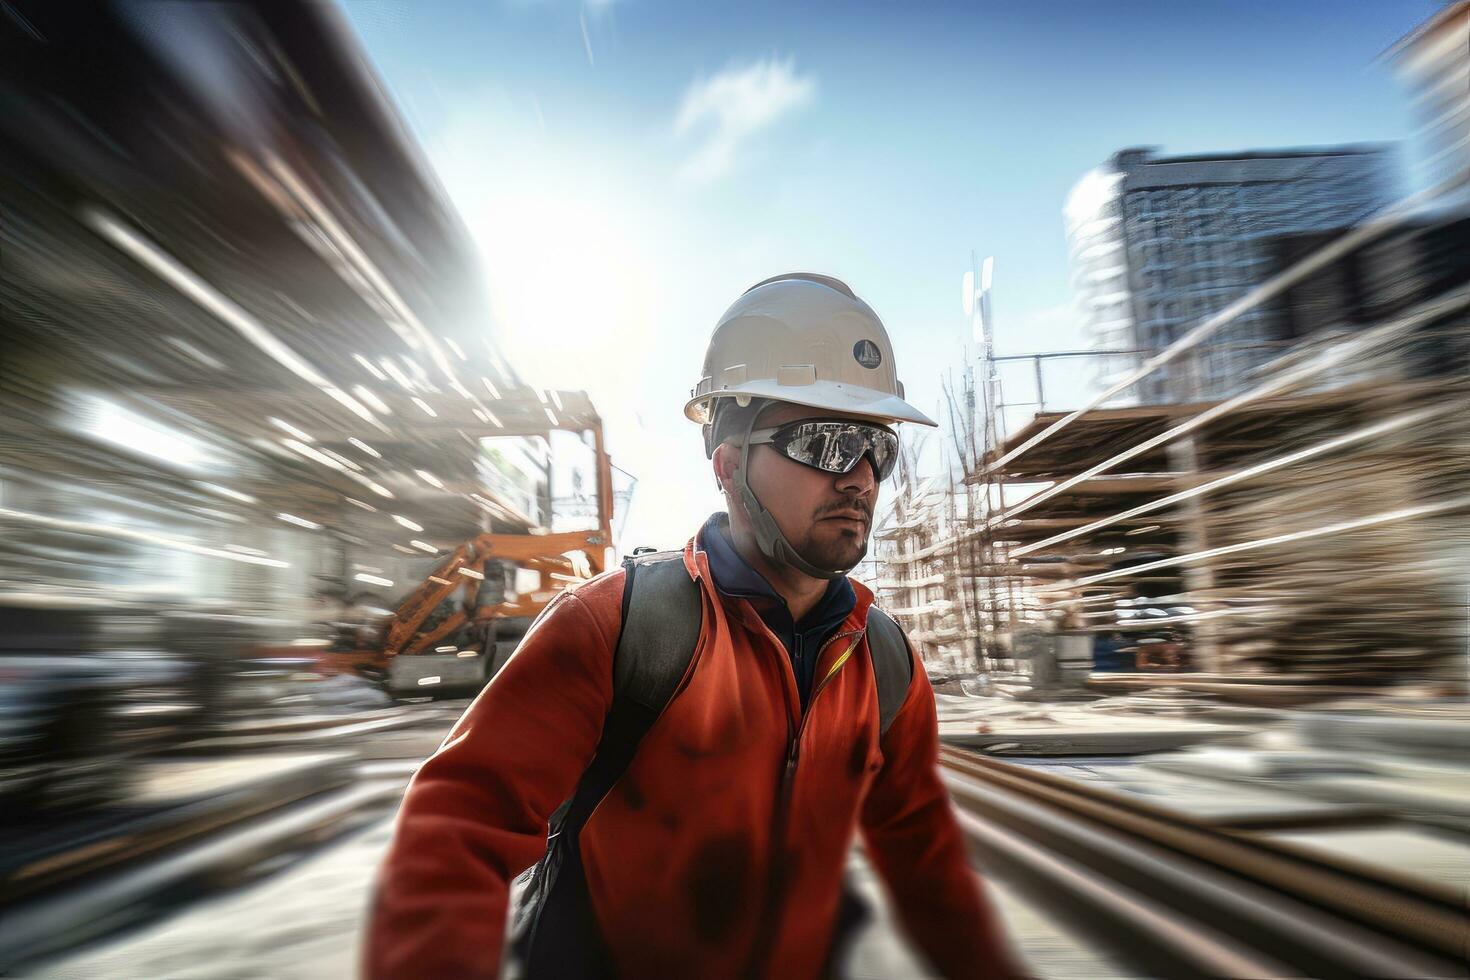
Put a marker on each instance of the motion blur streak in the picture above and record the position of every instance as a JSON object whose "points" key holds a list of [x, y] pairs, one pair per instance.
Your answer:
{"points": [[111, 531], [186, 282]]}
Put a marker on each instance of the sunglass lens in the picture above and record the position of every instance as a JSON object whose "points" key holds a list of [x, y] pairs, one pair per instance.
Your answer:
{"points": [[852, 444], [836, 447], [885, 454]]}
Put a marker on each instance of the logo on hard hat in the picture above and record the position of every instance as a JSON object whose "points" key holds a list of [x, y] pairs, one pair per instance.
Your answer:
{"points": [[866, 353]]}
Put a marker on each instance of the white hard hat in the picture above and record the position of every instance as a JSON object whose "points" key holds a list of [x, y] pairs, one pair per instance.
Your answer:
{"points": [[808, 340]]}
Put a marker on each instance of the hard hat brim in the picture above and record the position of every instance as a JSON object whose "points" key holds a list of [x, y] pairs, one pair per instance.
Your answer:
{"points": [[830, 395]]}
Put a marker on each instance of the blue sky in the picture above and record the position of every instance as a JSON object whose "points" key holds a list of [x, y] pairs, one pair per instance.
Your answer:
{"points": [[628, 167]]}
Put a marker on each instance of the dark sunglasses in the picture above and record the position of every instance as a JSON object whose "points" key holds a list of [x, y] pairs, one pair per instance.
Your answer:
{"points": [[832, 445]]}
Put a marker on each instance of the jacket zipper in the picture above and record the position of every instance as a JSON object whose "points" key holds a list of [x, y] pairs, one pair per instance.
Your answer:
{"points": [[793, 747], [765, 938], [796, 655]]}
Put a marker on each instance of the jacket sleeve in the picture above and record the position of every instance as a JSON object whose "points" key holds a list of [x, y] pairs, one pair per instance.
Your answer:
{"points": [[918, 848], [475, 815]]}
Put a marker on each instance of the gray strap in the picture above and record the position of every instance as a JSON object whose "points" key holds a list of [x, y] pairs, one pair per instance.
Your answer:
{"points": [[662, 614], [893, 667]]}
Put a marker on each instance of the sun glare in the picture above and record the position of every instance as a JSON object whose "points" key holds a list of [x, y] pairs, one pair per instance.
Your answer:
{"points": [[570, 289]]}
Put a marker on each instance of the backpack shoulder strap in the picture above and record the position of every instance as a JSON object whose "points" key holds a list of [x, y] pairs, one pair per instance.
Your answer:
{"points": [[893, 667], [662, 615]]}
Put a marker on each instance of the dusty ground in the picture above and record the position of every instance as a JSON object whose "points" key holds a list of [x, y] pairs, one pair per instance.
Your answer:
{"points": [[305, 920], [305, 924]]}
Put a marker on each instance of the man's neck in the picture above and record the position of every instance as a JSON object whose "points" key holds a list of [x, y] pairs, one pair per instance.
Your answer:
{"points": [[801, 591]]}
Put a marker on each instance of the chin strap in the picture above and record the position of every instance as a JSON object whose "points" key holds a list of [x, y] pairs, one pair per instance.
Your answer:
{"points": [[768, 536]]}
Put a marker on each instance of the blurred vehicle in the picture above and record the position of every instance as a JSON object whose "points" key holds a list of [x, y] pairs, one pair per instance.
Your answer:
{"points": [[1163, 653], [78, 701]]}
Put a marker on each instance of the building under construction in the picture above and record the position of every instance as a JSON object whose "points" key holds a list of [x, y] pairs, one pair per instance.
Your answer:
{"points": [[1309, 528]]}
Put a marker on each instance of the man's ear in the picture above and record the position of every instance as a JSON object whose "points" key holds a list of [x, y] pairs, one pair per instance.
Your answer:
{"points": [[726, 461]]}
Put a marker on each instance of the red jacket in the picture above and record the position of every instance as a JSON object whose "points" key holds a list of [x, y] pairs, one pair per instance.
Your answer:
{"points": [[681, 857]]}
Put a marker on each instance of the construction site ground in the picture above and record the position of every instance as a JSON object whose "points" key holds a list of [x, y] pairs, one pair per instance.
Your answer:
{"points": [[296, 908]]}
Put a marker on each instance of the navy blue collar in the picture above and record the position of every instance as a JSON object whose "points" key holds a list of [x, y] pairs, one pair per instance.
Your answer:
{"points": [[734, 577]]}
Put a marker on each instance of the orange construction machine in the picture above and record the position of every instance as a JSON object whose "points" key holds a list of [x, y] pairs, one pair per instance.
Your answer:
{"points": [[455, 629]]}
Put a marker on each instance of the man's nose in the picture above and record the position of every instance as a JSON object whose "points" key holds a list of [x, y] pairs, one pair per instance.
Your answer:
{"points": [[860, 480]]}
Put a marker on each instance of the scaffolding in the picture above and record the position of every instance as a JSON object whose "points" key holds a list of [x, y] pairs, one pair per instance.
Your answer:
{"points": [[1311, 526]]}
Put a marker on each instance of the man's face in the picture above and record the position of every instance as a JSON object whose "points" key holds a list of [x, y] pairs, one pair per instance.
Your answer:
{"points": [[825, 516]]}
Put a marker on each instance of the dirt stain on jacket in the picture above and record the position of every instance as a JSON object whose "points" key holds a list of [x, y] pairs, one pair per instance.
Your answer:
{"points": [[718, 883]]}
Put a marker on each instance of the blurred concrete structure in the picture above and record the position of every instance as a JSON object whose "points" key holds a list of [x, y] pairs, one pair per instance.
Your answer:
{"points": [[249, 360], [250, 387], [1435, 61], [1158, 244], [1314, 528]]}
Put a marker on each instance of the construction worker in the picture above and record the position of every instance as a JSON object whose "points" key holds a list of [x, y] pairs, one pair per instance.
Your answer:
{"points": [[711, 841]]}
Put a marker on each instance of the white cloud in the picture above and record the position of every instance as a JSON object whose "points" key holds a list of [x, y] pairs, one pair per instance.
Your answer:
{"points": [[732, 107]]}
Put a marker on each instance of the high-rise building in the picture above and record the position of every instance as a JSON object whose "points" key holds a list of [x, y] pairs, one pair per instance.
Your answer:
{"points": [[1435, 60], [1158, 244]]}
